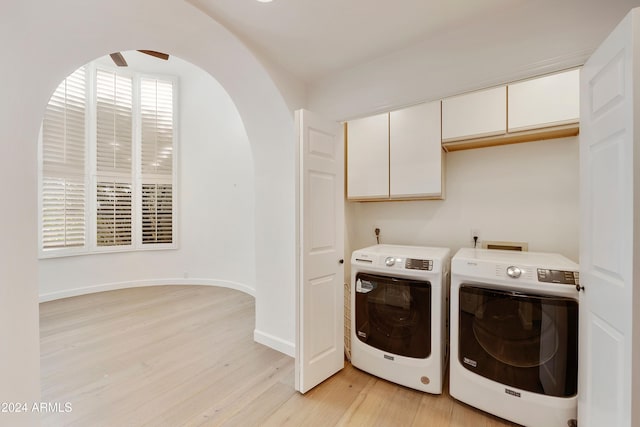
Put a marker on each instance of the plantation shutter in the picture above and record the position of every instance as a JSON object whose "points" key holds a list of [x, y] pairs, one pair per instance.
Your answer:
{"points": [[156, 105], [113, 213], [114, 117], [63, 164]]}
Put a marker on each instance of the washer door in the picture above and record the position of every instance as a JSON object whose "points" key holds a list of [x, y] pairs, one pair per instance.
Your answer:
{"points": [[525, 341], [394, 315]]}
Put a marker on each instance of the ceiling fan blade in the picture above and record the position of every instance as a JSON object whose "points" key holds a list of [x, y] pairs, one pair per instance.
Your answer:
{"points": [[156, 54], [118, 59]]}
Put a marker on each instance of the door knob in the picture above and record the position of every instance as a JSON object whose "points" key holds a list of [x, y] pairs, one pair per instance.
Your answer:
{"points": [[341, 261]]}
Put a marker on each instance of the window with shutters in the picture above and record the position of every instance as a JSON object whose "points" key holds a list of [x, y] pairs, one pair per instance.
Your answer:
{"points": [[114, 134], [156, 107], [63, 177], [107, 163]]}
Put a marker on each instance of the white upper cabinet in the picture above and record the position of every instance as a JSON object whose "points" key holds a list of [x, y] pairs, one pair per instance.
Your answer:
{"points": [[395, 156], [545, 101], [475, 114], [416, 152], [368, 157], [541, 108]]}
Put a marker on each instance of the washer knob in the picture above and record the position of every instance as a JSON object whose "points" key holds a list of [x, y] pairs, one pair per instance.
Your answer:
{"points": [[514, 272], [389, 261]]}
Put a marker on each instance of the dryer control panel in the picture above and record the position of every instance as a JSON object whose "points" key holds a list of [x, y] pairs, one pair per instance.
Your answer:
{"points": [[418, 264], [559, 276]]}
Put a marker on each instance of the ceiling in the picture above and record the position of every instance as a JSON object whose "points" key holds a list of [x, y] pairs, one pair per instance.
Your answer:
{"points": [[312, 39]]}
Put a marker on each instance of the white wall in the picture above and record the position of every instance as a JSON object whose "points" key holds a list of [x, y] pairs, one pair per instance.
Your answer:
{"points": [[215, 204], [19, 352], [523, 192], [486, 51], [48, 40]]}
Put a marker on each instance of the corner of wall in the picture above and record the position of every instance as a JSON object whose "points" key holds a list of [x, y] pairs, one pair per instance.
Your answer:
{"points": [[275, 343]]}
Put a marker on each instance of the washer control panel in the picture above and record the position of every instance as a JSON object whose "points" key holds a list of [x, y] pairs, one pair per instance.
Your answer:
{"points": [[559, 276]]}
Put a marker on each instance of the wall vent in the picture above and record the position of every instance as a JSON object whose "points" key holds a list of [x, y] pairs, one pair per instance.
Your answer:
{"points": [[506, 246]]}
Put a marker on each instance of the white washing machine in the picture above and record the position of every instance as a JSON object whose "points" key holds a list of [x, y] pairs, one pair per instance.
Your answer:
{"points": [[514, 335], [398, 314]]}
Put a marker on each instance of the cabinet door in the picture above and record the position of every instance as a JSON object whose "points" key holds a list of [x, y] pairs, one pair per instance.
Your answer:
{"points": [[368, 157], [546, 101], [475, 115], [415, 152]]}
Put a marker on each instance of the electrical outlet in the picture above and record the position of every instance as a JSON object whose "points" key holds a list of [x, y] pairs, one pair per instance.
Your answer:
{"points": [[475, 233]]}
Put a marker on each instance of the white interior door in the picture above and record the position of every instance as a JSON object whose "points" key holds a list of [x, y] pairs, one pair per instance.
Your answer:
{"points": [[609, 149], [320, 295]]}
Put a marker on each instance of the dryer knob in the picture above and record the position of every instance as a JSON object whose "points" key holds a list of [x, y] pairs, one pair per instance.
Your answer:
{"points": [[513, 272], [389, 261]]}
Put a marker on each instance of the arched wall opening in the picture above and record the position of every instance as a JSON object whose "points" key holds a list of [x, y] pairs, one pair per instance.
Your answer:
{"points": [[214, 204], [46, 42]]}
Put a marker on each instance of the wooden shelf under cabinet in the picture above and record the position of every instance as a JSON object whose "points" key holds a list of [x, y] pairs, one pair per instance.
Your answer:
{"points": [[552, 132]]}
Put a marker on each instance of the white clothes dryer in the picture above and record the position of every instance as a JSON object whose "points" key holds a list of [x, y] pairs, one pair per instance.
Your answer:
{"points": [[514, 335], [398, 314]]}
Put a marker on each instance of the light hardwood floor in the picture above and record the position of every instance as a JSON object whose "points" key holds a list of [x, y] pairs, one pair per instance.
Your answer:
{"points": [[185, 356]]}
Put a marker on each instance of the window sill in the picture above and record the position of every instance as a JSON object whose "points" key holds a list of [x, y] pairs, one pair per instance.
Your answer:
{"points": [[75, 252]]}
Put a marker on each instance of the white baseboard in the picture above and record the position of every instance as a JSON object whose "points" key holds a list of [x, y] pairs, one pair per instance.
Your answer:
{"points": [[140, 283], [275, 343]]}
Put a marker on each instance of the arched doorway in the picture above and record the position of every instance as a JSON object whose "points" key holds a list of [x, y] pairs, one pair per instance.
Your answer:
{"points": [[48, 41]]}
